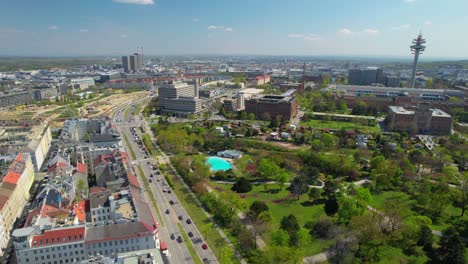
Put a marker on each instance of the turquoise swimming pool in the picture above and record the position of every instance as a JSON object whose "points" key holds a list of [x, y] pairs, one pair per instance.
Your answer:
{"points": [[217, 164]]}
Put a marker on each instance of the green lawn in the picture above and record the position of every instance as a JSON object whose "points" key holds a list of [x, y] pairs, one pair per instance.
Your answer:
{"points": [[339, 125], [406, 201], [279, 209]]}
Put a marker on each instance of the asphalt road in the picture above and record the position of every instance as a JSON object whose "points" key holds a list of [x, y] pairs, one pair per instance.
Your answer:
{"points": [[170, 232]]}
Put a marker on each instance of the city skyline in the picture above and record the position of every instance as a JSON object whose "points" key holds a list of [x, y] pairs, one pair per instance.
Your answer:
{"points": [[362, 28]]}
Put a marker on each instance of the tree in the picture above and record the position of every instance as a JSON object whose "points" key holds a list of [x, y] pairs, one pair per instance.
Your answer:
{"points": [[242, 186], [280, 238], [256, 209], [367, 235], [315, 193], [299, 186], [331, 206], [282, 177], [451, 248], [251, 117], [462, 180], [416, 157], [324, 229], [289, 224], [279, 254], [425, 239], [267, 168], [330, 188]]}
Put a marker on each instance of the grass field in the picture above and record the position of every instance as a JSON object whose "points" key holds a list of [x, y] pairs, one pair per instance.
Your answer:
{"points": [[339, 125], [282, 204]]}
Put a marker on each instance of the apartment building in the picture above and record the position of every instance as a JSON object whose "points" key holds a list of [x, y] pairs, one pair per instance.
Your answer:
{"points": [[14, 194]]}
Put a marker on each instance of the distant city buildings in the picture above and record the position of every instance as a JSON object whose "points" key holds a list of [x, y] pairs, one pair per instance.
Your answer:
{"points": [[179, 98], [82, 83], [368, 76], [422, 120], [133, 63], [262, 79]]}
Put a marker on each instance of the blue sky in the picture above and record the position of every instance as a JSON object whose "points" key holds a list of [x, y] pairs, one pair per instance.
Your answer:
{"points": [[263, 27]]}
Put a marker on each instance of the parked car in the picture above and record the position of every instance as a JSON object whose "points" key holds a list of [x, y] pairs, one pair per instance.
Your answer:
{"points": [[167, 211], [204, 246], [179, 239], [171, 202], [190, 234], [181, 217], [188, 221]]}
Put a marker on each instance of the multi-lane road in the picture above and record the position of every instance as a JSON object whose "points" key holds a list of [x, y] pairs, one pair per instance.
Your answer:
{"points": [[168, 204]]}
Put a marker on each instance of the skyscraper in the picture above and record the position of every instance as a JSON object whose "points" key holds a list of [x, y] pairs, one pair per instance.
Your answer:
{"points": [[125, 63], [366, 76], [417, 48]]}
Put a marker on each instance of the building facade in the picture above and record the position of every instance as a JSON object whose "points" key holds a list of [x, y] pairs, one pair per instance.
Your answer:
{"points": [[179, 98], [271, 106], [422, 120], [14, 194]]}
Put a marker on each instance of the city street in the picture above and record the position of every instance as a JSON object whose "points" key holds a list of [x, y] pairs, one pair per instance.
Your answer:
{"points": [[170, 232]]}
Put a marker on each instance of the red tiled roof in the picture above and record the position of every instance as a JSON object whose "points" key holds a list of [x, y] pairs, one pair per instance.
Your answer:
{"points": [[19, 157], [31, 215], [133, 180], [97, 189], [58, 236], [102, 158], [48, 210], [81, 167], [12, 177], [79, 209]]}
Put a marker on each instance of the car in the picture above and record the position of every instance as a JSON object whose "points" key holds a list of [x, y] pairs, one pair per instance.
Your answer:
{"points": [[204, 246], [165, 190], [169, 191], [171, 202], [181, 217], [188, 221], [151, 175], [167, 211], [179, 239], [172, 236], [150, 181], [190, 234], [157, 180], [148, 163]]}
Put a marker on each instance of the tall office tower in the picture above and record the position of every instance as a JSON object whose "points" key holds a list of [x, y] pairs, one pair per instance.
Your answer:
{"points": [[139, 60], [196, 90], [417, 48], [133, 63], [354, 77], [125, 63]]}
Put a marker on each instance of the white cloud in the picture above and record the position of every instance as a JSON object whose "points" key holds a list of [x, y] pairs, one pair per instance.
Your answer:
{"points": [[345, 31], [84, 30], [427, 23], [401, 27], [123, 36], [223, 28], [54, 27], [366, 31], [213, 27], [371, 31], [136, 2], [308, 36], [195, 20]]}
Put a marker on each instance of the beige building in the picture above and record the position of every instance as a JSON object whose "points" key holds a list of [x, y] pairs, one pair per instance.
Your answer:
{"points": [[422, 120], [14, 194]]}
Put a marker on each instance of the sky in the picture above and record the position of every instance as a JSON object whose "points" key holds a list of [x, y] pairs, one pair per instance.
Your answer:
{"points": [[233, 27]]}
